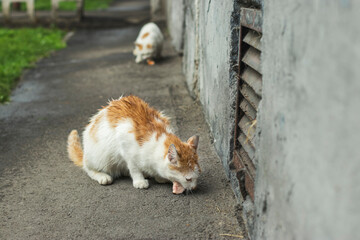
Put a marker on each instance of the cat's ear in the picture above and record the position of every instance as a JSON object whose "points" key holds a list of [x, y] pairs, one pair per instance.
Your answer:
{"points": [[193, 142], [172, 154]]}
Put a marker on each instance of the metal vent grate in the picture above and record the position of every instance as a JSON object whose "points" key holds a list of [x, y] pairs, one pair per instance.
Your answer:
{"points": [[249, 95]]}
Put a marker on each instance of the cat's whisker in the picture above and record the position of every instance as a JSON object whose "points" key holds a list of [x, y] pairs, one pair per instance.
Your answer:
{"points": [[188, 191]]}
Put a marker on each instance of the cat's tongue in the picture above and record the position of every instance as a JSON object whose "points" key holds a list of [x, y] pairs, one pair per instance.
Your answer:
{"points": [[177, 188]]}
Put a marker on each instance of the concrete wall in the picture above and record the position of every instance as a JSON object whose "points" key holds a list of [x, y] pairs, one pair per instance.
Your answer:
{"points": [[309, 159], [211, 39], [215, 85], [176, 21], [191, 45], [207, 27], [158, 10]]}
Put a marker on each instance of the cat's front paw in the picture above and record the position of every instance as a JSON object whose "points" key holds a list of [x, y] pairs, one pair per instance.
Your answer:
{"points": [[104, 179], [140, 184]]}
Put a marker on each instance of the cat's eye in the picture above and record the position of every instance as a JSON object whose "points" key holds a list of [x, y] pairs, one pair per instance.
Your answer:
{"points": [[188, 179]]}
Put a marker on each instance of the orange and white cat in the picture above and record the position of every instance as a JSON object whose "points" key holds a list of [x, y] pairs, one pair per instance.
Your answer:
{"points": [[128, 137]]}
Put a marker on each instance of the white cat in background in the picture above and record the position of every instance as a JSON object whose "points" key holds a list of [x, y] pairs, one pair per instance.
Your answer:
{"points": [[148, 44]]}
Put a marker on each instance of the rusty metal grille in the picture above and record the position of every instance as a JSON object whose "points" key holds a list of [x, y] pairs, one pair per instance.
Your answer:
{"points": [[249, 92]]}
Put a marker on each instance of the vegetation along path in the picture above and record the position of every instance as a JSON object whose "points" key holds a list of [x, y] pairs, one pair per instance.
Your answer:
{"points": [[20, 48]]}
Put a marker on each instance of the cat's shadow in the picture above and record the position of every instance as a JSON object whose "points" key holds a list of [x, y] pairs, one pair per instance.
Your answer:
{"points": [[201, 189], [163, 60]]}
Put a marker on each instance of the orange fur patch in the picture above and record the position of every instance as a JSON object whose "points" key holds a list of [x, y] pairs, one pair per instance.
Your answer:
{"points": [[140, 46], [146, 120], [145, 35], [148, 46], [74, 148], [188, 157]]}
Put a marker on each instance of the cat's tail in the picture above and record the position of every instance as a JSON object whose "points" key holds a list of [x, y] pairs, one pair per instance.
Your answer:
{"points": [[74, 148]]}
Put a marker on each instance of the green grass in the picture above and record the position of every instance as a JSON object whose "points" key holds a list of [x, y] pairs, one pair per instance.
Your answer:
{"points": [[20, 48], [89, 5]]}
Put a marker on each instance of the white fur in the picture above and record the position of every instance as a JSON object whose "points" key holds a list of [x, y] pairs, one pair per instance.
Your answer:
{"points": [[155, 38], [116, 152]]}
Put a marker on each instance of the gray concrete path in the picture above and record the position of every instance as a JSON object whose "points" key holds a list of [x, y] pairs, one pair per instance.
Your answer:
{"points": [[45, 196]]}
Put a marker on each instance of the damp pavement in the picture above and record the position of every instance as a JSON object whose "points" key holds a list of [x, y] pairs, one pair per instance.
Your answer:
{"points": [[45, 196]]}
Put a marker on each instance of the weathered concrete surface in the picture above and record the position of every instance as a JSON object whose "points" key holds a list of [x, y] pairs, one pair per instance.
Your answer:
{"points": [[309, 157], [191, 46], [214, 77], [208, 66], [308, 160], [211, 39], [175, 13], [44, 196]]}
